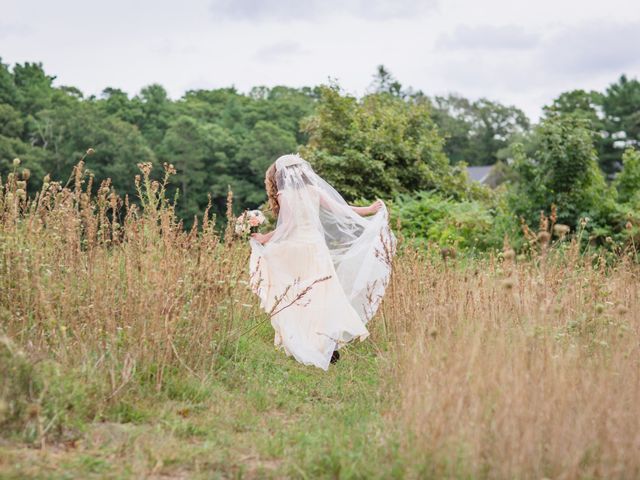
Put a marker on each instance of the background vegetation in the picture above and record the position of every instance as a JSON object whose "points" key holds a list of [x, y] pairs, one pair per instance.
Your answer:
{"points": [[394, 143]]}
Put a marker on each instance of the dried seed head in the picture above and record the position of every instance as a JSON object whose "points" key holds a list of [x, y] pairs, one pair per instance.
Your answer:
{"points": [[90, 151], [21, 184], [448, 252], [561, 230], [599, 308], [608, 240], [622, 310], [543, 237], [26, 173], [509, 254], [508, 284], [16, 162], [47, 178], [145, 168], [169, 168], [33, 410], [433, 332]]}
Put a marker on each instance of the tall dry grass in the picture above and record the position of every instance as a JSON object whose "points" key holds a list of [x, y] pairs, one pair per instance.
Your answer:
{"points": [[501, 368], [100, 282], [518, 370]]}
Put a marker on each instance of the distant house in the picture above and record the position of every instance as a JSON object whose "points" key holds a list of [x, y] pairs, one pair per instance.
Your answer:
{"points": [[487, 175]]}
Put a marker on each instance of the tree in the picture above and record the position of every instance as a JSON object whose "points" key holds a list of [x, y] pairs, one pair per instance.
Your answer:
{"points": [[562, 171], [475, 132], [627, 182], [378, 146], [621, 105], [614, 114]]}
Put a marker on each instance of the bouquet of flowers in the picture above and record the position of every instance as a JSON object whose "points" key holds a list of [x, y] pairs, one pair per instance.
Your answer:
{"points": [[249, 222]]}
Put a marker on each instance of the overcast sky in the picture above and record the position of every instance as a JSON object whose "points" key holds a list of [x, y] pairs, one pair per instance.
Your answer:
{"points": [[517, 52]]}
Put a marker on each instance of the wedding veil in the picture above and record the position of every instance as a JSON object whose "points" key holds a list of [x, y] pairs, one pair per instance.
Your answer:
{"points": [[361, 248]]}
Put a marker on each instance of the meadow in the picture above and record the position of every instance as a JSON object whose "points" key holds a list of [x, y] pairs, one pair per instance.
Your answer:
{"points": [[131, 347]]}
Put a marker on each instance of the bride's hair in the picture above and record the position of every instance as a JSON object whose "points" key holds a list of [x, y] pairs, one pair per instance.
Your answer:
{"points": [[272, 188]]}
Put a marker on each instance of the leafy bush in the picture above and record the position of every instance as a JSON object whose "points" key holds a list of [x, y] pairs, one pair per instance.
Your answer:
{"points": [[380, 146], [431, 217], [563, 171]]}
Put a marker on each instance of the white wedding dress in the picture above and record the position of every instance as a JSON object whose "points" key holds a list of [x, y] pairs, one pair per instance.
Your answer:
{"points": [[322, 274]]}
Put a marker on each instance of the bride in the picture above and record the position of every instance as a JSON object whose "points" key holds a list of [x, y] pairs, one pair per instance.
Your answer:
{"points": [[321, 273]]}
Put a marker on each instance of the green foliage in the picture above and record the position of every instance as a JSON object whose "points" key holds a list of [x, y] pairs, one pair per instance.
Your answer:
{"points": [[563, 170], [615, 114], [475, 132], [215, 139], [627, 182], [430, 217], [379, 146]]}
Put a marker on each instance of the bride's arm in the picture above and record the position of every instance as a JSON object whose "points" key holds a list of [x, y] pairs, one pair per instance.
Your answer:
{"points": [[263, 237], [331, 204], [370, 210]]}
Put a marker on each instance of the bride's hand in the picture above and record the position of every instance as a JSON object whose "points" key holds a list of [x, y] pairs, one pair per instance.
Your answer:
{"points": [[375, 206], [260, 237]]}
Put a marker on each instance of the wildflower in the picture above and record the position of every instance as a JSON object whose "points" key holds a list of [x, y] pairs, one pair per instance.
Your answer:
{"points": [[608, 240], [21, 184], [90, 151], [628, 225], [21, 194], [16, 162], [26, 173], [47, 178]]}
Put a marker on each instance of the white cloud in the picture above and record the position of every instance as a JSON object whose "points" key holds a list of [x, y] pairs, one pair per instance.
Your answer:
{"points": [[279, 51], [593, 48], [510, 37], [314, 10]]}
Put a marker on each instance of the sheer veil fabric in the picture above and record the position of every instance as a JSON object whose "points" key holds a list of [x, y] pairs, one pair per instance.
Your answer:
{"points": [[324, 271]]}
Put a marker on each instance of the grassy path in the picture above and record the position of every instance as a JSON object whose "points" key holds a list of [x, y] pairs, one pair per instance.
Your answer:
{"points": [[263, 415]]}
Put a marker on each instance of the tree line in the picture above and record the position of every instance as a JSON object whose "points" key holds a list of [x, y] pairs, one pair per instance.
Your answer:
{"points": [[393, 142]]}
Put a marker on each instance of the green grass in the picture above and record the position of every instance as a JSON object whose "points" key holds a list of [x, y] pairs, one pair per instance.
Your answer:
{"points": [[261, 414]]}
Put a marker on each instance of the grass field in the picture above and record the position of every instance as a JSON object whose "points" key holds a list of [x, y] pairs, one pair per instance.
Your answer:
{"points": [[131, 348]]}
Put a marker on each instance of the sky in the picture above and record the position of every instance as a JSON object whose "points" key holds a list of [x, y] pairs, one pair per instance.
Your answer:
{"points": [[521, 53]]}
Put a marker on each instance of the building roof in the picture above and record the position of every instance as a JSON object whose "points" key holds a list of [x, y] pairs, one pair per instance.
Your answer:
{"points": [[479, 174]]}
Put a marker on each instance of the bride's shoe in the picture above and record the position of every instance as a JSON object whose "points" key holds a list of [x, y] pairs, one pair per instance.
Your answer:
{"points": [[335, 356]]}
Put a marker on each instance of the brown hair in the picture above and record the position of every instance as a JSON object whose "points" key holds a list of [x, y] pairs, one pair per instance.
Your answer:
{"points": [[272, 189]]}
